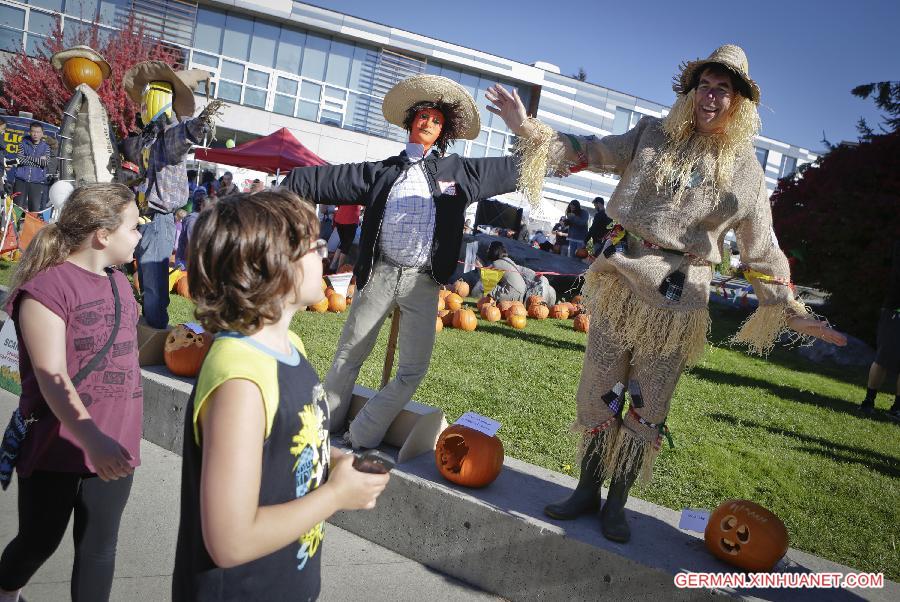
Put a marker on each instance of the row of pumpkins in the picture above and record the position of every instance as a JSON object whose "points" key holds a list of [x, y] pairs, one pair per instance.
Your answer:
{"points": [[451, 312]]}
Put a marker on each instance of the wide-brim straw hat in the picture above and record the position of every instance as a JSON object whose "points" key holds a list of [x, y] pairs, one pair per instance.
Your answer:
{"points": [[729, 56], [183, 83], [433, 88], [84, 52]]}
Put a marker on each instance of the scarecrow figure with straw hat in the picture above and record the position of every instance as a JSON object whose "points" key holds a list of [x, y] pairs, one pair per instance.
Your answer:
{"points": [[411, 236], [159, 151], [686, 179], [87, 150]]}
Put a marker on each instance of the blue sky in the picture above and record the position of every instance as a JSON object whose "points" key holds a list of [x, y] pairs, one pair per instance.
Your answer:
{"points": [[805, 55]]}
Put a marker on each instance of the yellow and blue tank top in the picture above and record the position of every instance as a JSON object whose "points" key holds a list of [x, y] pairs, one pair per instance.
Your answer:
{"points": [[295, 462]]}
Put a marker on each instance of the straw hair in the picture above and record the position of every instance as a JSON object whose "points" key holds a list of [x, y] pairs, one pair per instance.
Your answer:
{"points": [[730, 56], [685, 149], [242, 260], [90, 207], [433, 88]]}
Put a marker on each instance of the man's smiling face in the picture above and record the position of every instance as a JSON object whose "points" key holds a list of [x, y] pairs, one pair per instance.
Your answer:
{"points": [[713, 98]]}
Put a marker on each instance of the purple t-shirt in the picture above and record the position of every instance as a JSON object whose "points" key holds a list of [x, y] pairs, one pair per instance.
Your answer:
{"points": [[111, 393]]}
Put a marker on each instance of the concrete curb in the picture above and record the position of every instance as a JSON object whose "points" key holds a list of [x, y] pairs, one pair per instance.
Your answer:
{"points": [[498, 539]]}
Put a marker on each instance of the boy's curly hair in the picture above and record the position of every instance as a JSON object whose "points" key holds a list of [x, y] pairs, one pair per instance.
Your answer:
{"points": [[453, 121], [242, 258]]}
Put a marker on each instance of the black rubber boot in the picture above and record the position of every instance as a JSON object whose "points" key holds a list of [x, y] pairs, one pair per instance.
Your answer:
{"points": [[586, 497], [612, 518]]}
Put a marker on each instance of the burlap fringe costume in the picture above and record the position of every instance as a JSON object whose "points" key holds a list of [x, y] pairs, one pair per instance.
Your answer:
{"points": [[534, 157]]}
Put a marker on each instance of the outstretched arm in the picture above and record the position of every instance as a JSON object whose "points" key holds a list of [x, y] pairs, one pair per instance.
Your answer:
{"points": [[345, 184]]}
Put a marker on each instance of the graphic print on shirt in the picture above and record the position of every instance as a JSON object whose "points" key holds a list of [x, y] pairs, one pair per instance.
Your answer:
{"points": [[311, 448]]}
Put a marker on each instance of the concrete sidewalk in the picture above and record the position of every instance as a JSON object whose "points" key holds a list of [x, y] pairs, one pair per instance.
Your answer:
{"points": [[352, 568]]}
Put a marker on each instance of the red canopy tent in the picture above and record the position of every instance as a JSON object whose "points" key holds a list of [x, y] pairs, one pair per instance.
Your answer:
{"points": [[278, 152]]}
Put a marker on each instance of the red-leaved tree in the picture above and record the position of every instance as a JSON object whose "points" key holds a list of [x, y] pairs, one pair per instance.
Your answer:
{"points": [[840, 220], [32, 84]]}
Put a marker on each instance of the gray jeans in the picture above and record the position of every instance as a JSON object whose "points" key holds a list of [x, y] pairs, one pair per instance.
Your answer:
{"points": [[415, 294]]}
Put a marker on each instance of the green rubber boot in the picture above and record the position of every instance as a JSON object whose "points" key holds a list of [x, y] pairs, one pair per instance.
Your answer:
{"points": [[586, 497], [612, 517]]}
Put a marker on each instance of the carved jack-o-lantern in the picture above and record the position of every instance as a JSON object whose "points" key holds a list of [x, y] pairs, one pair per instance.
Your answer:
{"points": [[468, 457], [746, 535], [185, 349]]}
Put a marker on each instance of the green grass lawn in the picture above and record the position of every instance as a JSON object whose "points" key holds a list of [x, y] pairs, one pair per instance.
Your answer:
{"points": [[781, 432]]}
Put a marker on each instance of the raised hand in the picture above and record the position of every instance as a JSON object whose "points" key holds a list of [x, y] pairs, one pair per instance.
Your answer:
{"points": [[817, 328], [508, 106]]}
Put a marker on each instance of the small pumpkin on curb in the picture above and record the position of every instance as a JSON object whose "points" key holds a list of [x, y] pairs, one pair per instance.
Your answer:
{"points": [[468, 457], [443, 292], [538, 311], [491, 313], [517, 321], [439, 324], [441, 304], [582, 322], [446, 317], [464, 319], [185, 349], [746, 535], [559, 312]]}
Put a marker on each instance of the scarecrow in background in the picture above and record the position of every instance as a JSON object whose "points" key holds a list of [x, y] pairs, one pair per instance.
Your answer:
{"points": [[686, 179], [166, 99]]}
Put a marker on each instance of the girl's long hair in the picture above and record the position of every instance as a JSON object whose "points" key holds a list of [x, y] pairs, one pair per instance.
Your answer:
{"points": [[89, 208]]}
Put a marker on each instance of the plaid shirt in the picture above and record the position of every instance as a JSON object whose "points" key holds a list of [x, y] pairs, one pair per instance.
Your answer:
{"points": [[161, 158], [407, 229]]}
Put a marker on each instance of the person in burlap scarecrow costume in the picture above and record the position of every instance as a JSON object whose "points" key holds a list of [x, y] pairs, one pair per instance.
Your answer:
{"points": [[160, 150], [410, 241], [686, 179]]}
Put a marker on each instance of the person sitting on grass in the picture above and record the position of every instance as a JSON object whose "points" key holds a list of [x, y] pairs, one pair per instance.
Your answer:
{"points": [[259, 477]]}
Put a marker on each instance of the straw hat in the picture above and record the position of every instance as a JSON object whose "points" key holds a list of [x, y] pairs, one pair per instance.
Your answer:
{"points": [[434, 88], [183, 82], [84, 52], [729, 56]]}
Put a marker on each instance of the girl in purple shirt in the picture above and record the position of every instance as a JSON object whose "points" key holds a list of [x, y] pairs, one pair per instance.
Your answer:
{"points": [[79, 454]]}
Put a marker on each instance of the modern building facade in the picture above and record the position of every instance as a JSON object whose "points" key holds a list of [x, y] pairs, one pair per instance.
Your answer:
{"points": [[322, 74]]}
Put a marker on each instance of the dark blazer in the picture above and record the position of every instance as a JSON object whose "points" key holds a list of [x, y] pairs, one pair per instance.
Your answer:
{"points": [[455, 182]]}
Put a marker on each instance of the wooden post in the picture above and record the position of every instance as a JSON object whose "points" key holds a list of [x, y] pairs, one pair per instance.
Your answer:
{"points": [[391, 348]]}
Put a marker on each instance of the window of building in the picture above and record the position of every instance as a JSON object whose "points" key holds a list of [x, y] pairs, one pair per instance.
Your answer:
{"points": [[762, 155], [265, 40], [207, 60], [290, 50], [239, 32], [208, 33], [625, 120], [12, 22], [83, 9], [315, 53], [111, 11], [340, 55], [50, 4], [788, 166]]}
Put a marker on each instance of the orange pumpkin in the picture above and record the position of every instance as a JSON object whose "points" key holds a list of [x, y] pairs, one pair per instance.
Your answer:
{"points": [[581, 252], [324, 285], [577, 310], [461, 288], [517, 321], [349, 300], [468, 457], [538, 311], [745, 534], [182, 288], [79, 70], [321, 307], [559, 312], [446, 317], [534, 300], [491, 313], [185, 350], [337, 303], [570, 306], [439, 324], [464, 319], [582, 323], [329, 291], [345, 268], [444, 292], [578, 299], [486, 300], [504, 307], [453, 301], [516, 308]]}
